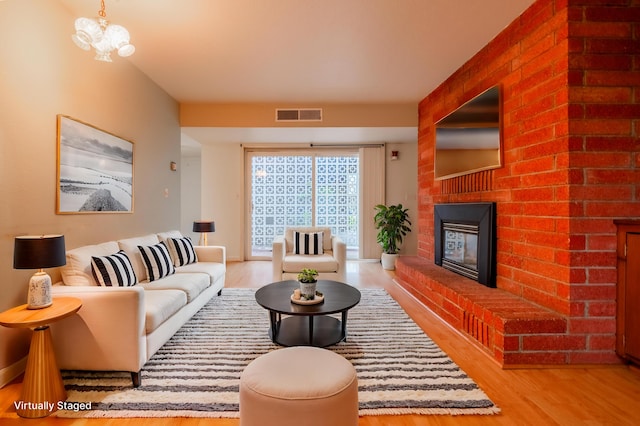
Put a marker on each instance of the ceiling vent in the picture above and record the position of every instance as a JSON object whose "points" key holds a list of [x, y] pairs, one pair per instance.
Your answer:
{"points": [[299, 114]]}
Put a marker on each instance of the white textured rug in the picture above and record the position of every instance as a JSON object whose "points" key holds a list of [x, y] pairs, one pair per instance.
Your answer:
{"points": [[196, 374]]}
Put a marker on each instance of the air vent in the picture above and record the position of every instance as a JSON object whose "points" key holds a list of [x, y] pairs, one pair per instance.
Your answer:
{"points": [[300, 114]]}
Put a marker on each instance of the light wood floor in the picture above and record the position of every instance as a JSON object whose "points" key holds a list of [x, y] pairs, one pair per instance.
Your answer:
{"points": [[596, 395]]}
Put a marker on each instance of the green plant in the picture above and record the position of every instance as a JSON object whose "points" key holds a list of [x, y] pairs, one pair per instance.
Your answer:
{"points": [[308, 276], [392, 223]]}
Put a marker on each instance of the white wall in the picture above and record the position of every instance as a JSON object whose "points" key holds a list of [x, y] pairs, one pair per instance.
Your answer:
{"points": [[222, 195], [42, 74], [190, 200], [402, 188], [222, 192]]}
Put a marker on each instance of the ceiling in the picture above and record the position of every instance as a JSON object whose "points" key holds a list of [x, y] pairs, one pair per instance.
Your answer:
{"points": [[288, 51]]}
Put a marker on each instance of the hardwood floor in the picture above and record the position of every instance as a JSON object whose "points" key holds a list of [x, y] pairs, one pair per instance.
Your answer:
{"points": [[594, 395]]}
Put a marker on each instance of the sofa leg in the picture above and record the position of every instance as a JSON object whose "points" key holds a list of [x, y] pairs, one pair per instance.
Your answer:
{"points": [[135, 378], [220, 292]]}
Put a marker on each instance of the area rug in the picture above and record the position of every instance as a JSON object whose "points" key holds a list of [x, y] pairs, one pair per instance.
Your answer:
{"points": [[197, 373]]}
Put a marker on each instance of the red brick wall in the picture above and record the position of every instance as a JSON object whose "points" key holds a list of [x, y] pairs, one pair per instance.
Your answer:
{"points": [[570, 77]]}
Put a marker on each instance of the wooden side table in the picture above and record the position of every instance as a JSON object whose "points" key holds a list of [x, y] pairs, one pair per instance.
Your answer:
{"points": [[42, 387]]}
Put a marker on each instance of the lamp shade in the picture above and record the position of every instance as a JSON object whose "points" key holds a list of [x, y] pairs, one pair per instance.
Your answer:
{"points": [[39, 252], [203, 226]]}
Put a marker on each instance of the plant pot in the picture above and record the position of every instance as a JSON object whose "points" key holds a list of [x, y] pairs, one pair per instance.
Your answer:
{"points": [[388, 261], [308, 290]]}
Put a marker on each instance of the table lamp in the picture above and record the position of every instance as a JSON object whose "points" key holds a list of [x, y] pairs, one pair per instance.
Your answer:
{"points": [[39, 252], [204, 227]]}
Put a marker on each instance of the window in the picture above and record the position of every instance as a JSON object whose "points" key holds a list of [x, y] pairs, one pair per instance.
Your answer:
{"points": [[294, 188]]}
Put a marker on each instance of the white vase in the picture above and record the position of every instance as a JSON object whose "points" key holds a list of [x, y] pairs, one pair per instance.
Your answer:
{"points": [[308, 290], [388, 261]]}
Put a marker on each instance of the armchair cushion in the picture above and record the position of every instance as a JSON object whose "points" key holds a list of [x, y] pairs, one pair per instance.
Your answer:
{"points": [[321, 263], [326, 236], [310, 243]]}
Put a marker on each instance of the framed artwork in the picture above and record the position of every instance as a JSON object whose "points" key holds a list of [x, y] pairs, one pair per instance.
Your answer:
{"points": [[95, 170]]}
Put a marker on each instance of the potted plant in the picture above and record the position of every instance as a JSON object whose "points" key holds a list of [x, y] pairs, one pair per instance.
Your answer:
{"points": [[392, 223], [308, 279]]}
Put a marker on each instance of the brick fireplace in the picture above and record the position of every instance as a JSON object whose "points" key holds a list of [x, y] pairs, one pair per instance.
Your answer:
{"points": [[569, 74]]}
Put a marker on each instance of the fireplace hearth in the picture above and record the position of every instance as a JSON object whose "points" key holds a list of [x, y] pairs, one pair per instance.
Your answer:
{"points": [[465, 240]]}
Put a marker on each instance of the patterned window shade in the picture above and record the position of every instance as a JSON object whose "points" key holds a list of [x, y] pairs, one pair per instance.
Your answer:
{"points": [[304, 190]]}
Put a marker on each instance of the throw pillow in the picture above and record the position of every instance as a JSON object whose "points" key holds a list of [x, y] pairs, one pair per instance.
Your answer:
{"points": [[307, 243], [182, 251], [114, 270], [157, 261]]}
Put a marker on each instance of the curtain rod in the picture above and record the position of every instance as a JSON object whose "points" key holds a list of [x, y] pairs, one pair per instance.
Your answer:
{"points": [[337, 145]]}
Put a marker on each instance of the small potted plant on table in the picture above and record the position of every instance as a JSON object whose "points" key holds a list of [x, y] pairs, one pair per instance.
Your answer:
{"points": [[308, 280]]}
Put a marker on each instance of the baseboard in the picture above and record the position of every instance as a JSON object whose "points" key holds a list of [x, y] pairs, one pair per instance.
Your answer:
{"points": [[9, 373]]}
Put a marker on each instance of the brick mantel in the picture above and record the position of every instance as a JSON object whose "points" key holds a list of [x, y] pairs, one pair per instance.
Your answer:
{"points": [[569, 73]]}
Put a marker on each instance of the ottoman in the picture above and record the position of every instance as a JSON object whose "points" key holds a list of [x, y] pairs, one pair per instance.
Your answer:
{"points": [[296, 386]]}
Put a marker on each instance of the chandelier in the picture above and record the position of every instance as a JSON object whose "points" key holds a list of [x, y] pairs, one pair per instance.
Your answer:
{"points": [[102, 36]]}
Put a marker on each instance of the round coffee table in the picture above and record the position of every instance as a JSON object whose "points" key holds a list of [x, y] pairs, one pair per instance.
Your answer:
{"points": [[307, 325]]}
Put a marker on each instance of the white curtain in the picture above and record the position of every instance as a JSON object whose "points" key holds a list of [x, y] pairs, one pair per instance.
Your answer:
{"points": [[372, 193]]}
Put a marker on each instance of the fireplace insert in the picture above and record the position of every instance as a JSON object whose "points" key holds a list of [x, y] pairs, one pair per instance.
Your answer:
{"points": [[465, 240]]}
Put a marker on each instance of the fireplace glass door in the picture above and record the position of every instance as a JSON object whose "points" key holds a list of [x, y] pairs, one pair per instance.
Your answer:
{"points": [[465, 240], [461, 245]]}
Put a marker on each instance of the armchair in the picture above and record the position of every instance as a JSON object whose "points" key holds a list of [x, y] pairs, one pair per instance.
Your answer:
{"points": [[330, 264]]}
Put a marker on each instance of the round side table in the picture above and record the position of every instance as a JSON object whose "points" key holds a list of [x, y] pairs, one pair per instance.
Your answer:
{"points": [[42, 387]]}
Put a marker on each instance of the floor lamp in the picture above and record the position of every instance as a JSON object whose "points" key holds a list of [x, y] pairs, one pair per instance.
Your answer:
{"points": [[204, 227]]}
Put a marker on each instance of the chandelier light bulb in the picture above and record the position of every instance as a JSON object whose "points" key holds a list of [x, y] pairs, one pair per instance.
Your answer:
{"points": [[102, 36]]}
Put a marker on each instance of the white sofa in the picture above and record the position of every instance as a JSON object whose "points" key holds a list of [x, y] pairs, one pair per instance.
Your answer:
{"points": [[331, 264], [119, 328]]}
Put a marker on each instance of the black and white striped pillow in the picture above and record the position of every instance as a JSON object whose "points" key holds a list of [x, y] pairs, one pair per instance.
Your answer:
{"points": [[114, 270], [307, 243], [182, 251], [157, 261]]}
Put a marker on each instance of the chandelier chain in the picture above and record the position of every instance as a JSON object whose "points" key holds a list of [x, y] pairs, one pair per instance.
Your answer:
{"points": [[102, 13]]}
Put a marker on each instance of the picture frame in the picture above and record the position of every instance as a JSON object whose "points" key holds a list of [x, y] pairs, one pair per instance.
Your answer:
{"points": [[95, 172]]}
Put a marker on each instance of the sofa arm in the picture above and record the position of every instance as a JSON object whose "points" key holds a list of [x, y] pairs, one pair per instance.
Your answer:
{"points": [[107, 333], [217, 254], [278, 251]]}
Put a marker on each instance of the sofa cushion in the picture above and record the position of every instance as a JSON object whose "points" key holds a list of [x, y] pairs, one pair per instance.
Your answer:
{"points": [[159, 306], [77, 270], [182, 251], [215, 271], [307, 243], [190, 284], [114, 270], [164, 236], [130, 246], [157, 261], [322, 263]]}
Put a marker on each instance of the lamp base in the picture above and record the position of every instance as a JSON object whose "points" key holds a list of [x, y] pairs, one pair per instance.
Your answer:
{"points": [[203, 239], [39, 291]]}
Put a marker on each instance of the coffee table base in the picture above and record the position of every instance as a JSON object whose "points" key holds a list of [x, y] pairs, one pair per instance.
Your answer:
{"points": [[319, 331]]}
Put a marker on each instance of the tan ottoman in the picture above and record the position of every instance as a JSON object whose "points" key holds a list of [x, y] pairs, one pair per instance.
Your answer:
{"points": [[298, 386]]}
